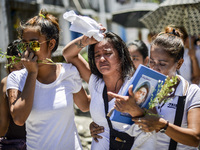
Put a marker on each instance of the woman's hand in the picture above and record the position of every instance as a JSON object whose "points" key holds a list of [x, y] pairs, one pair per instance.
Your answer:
{"points": [[150, 122], [29, 60], [89, 41], [127, 104], [95, 129]]}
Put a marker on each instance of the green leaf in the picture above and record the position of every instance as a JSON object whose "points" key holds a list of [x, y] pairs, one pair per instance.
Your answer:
{"points": [[164, 91], [15, 60]]}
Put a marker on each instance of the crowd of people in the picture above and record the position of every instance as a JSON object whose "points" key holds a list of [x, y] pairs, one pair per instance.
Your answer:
{"points": [[37, 97]]}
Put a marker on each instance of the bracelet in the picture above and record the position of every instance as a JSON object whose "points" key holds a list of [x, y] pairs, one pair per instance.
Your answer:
{"points": [[165, 127]]}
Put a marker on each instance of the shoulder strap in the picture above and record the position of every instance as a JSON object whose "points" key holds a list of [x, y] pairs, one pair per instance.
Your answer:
{"points": [[178, 119], [179, 113], [105, 98]]}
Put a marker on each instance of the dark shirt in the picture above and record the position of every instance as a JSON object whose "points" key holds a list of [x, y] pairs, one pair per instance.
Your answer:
{"points": [[15, 131]]}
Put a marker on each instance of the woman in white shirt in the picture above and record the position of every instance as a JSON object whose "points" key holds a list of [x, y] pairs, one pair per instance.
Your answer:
{"points": [[43, 94], [110, 66], [167, 57]]}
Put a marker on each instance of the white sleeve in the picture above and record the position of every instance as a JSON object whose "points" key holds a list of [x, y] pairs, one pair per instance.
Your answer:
{"points": [[193, 97], [16, 80], [77, 81], [91, 82]]}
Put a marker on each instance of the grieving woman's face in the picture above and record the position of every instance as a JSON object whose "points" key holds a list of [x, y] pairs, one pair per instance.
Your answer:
{"points": [[140, 95]]}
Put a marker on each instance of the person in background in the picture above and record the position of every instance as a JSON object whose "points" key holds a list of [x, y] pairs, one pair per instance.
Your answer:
{"points": [[178, 122], [139, 53], [8, 129], [43, 93], [150, 37]]}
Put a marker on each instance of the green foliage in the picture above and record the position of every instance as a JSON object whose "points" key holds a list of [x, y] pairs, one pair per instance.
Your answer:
{"points": [[15, 60], [165, 92], [85, 56]]}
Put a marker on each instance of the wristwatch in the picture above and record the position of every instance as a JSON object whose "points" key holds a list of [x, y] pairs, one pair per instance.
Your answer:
{"points": [[165, 127]]}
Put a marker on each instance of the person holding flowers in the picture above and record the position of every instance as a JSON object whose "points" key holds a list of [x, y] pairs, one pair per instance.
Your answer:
{"points": [[177, 121], [42, 94]]}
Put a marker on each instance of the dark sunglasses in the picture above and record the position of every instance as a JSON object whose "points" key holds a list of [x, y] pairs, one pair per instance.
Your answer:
{"points": [[33, 45]]}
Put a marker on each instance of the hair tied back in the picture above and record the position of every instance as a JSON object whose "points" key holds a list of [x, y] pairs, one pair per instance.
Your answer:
{"points": [[41, 15], [174, 32]]}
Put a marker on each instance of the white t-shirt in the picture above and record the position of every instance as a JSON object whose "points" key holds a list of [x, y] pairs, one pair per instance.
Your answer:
{"points": [[97, 111], [50, 125], [186, 68], [169, 109]]}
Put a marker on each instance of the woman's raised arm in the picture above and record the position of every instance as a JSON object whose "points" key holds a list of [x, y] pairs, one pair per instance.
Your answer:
{"points": [[71, 55]]}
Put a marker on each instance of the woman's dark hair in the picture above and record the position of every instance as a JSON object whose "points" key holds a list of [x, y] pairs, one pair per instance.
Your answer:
{"points": [[126, 64], [46, 24], [141, 47], [171, 42], [12, 50]]}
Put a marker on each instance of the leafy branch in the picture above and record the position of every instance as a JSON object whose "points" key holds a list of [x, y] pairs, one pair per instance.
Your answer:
{"points": [[165, 91], [16, 59]]}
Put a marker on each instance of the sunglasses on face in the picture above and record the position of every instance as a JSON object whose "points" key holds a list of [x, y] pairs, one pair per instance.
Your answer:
{"points": [[33, 45]]}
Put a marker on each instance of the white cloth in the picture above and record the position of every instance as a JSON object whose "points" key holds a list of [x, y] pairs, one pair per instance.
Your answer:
{"points": [[84, 25], [97, 111], [142, 139], [169, 109], [50, 125], [186, 68]]}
